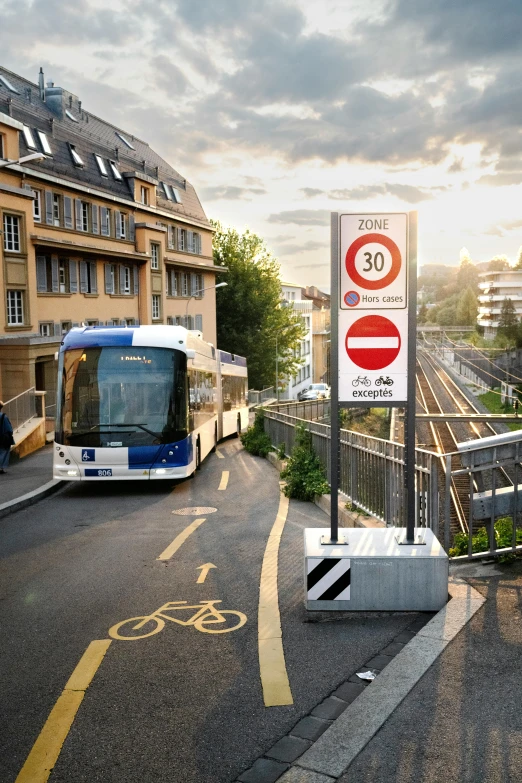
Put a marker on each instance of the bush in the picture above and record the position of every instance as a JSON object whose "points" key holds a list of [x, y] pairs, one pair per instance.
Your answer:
{"points": [[304, 474], [281, 451], [480, 541], [255, 440]]}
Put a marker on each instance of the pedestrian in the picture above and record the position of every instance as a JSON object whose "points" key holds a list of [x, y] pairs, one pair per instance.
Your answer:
{"points": [[6, 439]]}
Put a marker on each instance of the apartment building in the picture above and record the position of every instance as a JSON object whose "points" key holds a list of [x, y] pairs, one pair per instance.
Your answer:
{"points": [[320, 333], [495, 287], [292, 293], [97, 229]]}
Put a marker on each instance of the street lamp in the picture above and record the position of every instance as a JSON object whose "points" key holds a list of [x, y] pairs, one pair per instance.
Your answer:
{"points": [[36, 157], [200, 291]]}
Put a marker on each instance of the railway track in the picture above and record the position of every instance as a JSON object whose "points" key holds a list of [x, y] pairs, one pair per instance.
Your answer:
{"points": [[438, 393]]}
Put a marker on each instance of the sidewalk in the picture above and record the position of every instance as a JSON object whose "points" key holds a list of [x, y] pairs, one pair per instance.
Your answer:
{"points": [[27, 474], [462, 722]]}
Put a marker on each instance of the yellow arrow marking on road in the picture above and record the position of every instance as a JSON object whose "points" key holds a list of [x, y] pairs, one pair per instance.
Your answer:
{"points": [[204, 571]]}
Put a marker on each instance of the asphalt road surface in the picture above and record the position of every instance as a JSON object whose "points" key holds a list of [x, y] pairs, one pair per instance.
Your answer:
{"points": [[181, 703]]}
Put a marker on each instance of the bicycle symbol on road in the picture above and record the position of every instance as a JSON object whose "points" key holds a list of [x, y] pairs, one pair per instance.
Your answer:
{"points": [[361, 379], [204, 619]]}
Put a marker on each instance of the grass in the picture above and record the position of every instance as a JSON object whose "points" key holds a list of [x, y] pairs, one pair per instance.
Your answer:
{"points": [[376, 422], [494, 405]]}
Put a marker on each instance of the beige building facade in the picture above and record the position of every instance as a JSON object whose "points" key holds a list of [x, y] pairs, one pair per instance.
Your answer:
{"points": [[96, 229]]}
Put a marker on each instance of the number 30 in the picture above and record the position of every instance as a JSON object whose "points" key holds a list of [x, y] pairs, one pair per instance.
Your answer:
{"points": [[377, 262]]}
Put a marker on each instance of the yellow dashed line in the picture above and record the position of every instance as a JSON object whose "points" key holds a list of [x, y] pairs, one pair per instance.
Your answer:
{"points": [[180, 539], [219, 454], [45, 751], [272, 666], [224, 479]]}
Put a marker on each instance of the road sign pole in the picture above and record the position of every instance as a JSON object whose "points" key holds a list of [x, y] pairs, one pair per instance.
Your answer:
{"points": [[334, 386], [409, 419]]}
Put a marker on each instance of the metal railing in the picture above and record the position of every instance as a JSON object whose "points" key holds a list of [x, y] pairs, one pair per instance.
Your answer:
{"points": [[21, 409], [372, 477], [372, 470], [310, 410], [256, 397]]}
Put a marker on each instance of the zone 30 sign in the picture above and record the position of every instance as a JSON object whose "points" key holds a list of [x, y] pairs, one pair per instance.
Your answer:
{"points": [[373, 308]]}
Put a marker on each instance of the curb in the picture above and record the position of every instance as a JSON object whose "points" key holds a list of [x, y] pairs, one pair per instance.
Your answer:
{"points": [[31, 497], [358, 711]]}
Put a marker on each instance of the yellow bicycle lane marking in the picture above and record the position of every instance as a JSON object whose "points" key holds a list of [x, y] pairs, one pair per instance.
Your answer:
{"points": [[272, 666], [45, 751], [180, 539], [219, 455], [224, 479], [207, 614]]}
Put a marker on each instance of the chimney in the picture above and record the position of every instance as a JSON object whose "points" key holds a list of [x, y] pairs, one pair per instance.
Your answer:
{"points": [[41, 84]]}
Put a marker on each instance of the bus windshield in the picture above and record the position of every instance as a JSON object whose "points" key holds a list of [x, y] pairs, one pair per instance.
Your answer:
{"points": [[125, 396]]}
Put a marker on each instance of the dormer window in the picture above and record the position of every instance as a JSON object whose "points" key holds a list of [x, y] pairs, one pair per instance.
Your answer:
{"points": [[75, 156], [144, 195], [167, 191], [29, 138], [8, 84], [177, 197], [114, 168], [44, 142], [125, 141], [101, 165], [71, 116]]}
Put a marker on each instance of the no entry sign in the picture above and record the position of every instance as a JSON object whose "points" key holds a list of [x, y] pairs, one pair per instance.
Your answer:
{"points": [[373, 342]]}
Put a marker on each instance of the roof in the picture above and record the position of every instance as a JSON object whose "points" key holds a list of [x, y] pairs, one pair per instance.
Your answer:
{"points": [[64, 120]]}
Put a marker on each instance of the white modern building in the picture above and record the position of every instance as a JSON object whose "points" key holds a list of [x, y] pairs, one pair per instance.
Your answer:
{"points": [[495, 287], [292, 293]]}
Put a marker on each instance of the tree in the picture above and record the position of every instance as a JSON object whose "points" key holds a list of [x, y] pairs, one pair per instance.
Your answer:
{"points": [[498, 264], [518, 264], [250, 319], [467, 308], [508, 320], [467, 276]]}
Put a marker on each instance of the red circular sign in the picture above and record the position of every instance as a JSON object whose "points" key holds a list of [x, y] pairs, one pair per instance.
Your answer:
{"points": [[363, 282], [373, 342]]}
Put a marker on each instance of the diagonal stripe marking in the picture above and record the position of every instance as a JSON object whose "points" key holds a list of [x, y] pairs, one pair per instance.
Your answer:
{"points": [[317, 573], [334, 590]]}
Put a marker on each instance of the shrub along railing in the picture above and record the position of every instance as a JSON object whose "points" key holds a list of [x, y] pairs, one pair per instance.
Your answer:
{"points": [[372, 470]]}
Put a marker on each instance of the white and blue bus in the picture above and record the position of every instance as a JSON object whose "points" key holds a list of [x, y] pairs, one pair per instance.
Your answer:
{"points": [[145, 402]]}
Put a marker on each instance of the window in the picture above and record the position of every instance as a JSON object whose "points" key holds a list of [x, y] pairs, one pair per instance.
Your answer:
{"points": [[88, 277], [129, 322], [125, 141], [56, 275], [85, 216], [155, 306], [7, 83], [122, 227], [144, 195], [37, 207], [167, 191], [29, 138], [15, 308], [126, 279], [63, 275], [77, 160], [182, 239], [114, 168], [56, 209], [11, 233], [71, 115], [110, 286], [185, 282], [175, 193], [115, 321], [44, 142], [101, 165], [92, 322], [66, 326], [46, 329], [154, 256]]}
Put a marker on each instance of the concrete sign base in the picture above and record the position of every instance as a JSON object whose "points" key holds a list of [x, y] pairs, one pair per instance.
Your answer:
{"points": [[374, 572]]}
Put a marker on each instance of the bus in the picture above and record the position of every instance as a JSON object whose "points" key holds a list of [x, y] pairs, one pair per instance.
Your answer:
{"points": [[144, 402]]}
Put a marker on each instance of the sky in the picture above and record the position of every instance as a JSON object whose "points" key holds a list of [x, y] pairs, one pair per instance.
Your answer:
{"points": [[282, 111]]}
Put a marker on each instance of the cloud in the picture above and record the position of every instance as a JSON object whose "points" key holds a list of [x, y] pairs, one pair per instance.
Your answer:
{"points": [[501, 180], [312, 192], [302, 217], [295, 249], [230, 193], [407, 193], [168, 75]]}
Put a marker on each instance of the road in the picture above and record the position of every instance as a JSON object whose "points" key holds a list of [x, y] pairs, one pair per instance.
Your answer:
{"points": [[180, 705]]}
